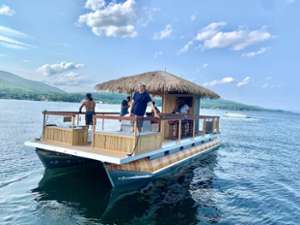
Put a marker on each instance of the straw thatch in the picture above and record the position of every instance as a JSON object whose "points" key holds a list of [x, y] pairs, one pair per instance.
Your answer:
{"points": [[158, 83]]}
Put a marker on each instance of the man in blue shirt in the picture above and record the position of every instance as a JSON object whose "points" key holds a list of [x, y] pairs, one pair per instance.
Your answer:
{"points": [[140, 101]]}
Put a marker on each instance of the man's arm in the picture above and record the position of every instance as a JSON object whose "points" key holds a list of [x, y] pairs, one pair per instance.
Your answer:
{"points": [[131, 107], [82, 105], [132, 104], [153, 109]]}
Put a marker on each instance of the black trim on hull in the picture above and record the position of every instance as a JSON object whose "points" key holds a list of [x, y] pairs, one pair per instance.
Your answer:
{"points": [[58, 160]]}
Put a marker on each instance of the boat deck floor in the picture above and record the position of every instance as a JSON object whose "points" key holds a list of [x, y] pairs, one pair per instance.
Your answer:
{"points": [[87, 151]]}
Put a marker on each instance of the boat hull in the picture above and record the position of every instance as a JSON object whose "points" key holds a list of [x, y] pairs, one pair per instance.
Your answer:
{"points": [[53, 160], [116, 175], [125, 177]]}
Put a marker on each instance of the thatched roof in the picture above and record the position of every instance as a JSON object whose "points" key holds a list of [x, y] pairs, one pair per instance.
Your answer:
{"points": [[158, 83]]}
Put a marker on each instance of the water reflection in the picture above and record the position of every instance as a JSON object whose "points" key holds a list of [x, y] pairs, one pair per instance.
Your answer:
{"points": [[169, 200]]}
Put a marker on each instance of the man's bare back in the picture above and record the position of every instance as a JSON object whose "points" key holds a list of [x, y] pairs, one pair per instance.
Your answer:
{"points": [[89, 106]]}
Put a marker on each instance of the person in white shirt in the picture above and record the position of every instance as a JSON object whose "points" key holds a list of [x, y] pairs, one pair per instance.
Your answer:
{"points": [[184, 109]]}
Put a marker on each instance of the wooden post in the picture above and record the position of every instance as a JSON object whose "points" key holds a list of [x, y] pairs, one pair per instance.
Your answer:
{"points": [[44, 123], [204, 126], [102, 122], [77, 118], [73, 120], [94, 130], [194, 127], [213, 125], [179, 131]]}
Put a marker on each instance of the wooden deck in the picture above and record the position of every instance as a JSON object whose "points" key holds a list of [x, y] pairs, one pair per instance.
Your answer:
{"points": [[87, 151]]}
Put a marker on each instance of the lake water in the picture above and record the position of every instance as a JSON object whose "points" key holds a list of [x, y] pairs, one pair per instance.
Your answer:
{"points": [[253, 178]]}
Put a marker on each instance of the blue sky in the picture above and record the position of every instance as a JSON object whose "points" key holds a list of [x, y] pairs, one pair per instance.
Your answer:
{"points": [[247, 51]]}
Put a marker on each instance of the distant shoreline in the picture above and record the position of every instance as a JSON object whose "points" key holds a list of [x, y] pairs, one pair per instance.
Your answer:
{"points": [[115, 99], [17, 88]]}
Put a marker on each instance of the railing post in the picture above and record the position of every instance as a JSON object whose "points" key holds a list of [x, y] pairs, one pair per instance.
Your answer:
{"points": [[194, 127], [214, 125], [94, 130], [204, 126], [102, 122], [77, 118], [44, 123], [179, 131], [73, 120]]}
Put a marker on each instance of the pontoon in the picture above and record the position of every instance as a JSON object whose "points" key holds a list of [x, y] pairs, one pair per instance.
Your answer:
{"points": [[127, 154]]}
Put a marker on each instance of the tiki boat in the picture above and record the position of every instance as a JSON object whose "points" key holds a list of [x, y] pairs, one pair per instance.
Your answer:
{"points": [[126, 154]]}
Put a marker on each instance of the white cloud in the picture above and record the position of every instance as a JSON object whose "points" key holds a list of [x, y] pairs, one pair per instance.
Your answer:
{"points": [[59, 68], [95, 4], [254, 53], [165, 33], [205, 65], [5, 10], [186, 48], [9, 38], [68, 79], [209, 31], [228, 80], [7, 31], [147, 15], [110, 20], [12, 43], [269, 83], [212, 36], [225, 80], [244, 82]]}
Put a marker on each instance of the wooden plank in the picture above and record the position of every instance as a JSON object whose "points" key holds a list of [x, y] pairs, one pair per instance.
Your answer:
{"points": [[179, 131], [147, 165], [128, 143], [68, 136]]}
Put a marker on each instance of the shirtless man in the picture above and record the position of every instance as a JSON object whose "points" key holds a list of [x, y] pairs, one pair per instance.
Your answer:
{"points": [[90, 106]]}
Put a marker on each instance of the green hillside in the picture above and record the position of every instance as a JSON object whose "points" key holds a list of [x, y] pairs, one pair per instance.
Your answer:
{"points": [[11, 83], [15, 87], [228, 105]]}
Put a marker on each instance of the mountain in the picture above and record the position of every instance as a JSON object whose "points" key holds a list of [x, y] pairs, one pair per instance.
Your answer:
{"points": [[229, 105], [15, 87], [11, 83]]}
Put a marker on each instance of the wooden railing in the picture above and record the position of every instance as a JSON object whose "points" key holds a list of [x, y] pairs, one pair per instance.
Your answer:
{"points": [[210, 124]]}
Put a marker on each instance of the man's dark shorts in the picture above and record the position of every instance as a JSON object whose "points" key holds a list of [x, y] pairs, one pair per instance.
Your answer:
{"points": [[89, 118]]}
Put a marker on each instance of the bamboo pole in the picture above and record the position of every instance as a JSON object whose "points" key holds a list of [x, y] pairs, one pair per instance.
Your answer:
{"points": [[204, 126], [179, 131], [77, 119], [73, 120], [194, 127], [44, 124], [94, 130], [103, 123]]}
